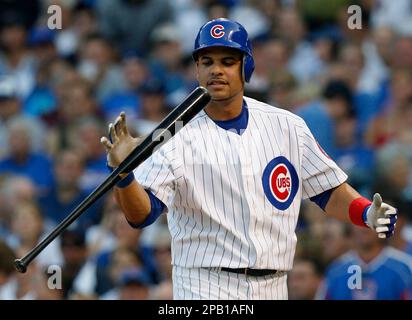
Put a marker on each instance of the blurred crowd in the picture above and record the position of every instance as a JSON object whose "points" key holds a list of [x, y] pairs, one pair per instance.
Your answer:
{"points": [[60, 88]]}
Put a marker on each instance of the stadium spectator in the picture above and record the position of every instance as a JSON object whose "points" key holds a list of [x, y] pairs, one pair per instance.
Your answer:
{"points": [[322, 115], [371, 271], [29, 227], [22, 159], [66, 193], [7, 271], [84, 139], [304, 279], [128, 23]]}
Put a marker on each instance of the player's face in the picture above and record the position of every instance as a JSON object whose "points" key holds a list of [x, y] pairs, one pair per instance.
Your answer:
{"points": [[219, 70]]}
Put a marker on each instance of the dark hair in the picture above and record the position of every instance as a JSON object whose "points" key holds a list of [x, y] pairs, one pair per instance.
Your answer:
{"points": [[73, 238], [337, 89], [7, 257]]}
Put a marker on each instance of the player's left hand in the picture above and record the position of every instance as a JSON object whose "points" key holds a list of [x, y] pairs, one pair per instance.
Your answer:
{"points": [[120, 143], [381, 217]]}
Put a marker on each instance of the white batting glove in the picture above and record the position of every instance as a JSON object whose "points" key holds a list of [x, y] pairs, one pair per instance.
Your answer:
{"points": [[381, 217]]}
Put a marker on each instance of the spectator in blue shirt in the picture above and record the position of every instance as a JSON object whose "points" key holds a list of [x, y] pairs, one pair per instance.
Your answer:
{"points": [[66, 194], [22, 160], [372, 271], [321, 115], [87, 132], [352, 155]]}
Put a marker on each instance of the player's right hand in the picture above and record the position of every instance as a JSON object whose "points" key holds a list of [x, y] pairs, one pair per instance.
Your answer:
{"points": [[381, 217], [120, 143]]}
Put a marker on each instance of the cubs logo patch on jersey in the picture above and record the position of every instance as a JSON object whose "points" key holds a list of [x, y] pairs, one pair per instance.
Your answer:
{"points": [[280, 182]]}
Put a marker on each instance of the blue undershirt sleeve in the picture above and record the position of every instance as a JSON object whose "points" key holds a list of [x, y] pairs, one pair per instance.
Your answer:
{"points": [[322, 199], [157, 207]]}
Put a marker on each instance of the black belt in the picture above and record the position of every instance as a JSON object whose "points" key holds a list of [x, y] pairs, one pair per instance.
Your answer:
{"points": [[251, 272]]}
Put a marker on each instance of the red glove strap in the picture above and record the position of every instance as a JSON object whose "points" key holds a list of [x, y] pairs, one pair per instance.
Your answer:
{"points": [[356, 209]]}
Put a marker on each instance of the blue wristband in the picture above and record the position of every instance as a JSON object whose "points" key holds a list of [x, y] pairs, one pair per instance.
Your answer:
{"points": [[126, 180], [364, 216]]}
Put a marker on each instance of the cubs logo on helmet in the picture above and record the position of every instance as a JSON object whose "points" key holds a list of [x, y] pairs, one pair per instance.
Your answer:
{"points": [[217, 31], [280, 182]]}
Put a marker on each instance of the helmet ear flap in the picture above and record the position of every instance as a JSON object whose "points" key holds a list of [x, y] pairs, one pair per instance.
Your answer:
{"points": [[248, 67]]}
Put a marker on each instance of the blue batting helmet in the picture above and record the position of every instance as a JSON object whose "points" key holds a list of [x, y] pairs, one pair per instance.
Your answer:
{"points": [[226, 33]]}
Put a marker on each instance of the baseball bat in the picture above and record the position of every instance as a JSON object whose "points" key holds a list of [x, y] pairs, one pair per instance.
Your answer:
{"points": [[192, 105]]}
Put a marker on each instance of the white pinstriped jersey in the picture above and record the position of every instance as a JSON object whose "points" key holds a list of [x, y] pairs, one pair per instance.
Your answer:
{"points": [[233, 200]]}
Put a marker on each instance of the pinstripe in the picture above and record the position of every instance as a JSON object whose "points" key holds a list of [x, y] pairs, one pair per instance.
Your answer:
{"points": [[228, 285], [316, 167], [271, 220], [249, 287], [319, 158], [176, 283], [193, 216], [281, 218], [208, 276], [210, 218], [291, 157], [181, 215], [308, 181], [190, 238], [280, 151], [198, 275], [183, 281], [254, 202], [190, 283], [263, 196], [210, 223], [164, 179], [148, 172], [237, 286], [177, 168], [233, 209], [223, 203], [315, 176], [305, 191], [271, 288], [168, 151], [180, 285], [184, 228], [219, 285], [241, 206], [266, 287], [175, 235], [248, 296], [214, 202]]}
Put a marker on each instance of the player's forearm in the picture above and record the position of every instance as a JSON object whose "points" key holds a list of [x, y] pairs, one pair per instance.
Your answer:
{"points": [[134, 202], [339, 202]]}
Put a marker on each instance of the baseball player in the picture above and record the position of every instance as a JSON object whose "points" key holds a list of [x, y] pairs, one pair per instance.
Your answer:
{"points": [[232, 180]]}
